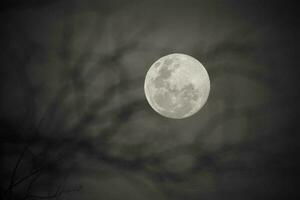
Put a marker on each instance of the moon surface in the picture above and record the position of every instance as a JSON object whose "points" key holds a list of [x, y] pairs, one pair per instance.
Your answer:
{"points": [[177, 86]]}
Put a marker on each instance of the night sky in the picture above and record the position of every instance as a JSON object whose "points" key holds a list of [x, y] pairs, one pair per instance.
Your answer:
{"points": [[75, 123]]}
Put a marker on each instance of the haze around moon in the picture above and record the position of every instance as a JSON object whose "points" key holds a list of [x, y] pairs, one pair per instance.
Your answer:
{"points": [[177, 86]]}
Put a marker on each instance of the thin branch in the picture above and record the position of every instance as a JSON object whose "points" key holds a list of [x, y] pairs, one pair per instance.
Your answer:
{"points": [[11, 185]]}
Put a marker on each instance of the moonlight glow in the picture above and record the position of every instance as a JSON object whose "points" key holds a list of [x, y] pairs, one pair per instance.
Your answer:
{"points": [[177, 86]]}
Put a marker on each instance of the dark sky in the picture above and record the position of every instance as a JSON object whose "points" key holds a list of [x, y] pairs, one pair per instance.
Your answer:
{"points": [[75, 123]]}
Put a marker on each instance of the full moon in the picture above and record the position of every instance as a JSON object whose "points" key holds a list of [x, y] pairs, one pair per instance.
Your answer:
{"points": [[177, 86]]}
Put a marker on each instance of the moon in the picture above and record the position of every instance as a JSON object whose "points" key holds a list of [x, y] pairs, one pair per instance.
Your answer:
{"points": [[177, 86]]}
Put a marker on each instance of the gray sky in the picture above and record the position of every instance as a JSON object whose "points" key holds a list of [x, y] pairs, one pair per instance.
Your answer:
{"points": [[74, 71]]}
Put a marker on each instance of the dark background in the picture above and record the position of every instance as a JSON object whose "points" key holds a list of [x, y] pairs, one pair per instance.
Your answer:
{"points": [[75, 124]]}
